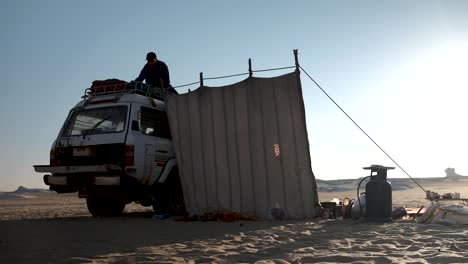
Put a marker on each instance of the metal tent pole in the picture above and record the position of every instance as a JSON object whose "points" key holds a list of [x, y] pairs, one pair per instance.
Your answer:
{"points": [[296, 60]]}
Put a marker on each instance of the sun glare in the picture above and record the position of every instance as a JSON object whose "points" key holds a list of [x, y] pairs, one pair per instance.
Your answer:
{"points": [[433, 90]]}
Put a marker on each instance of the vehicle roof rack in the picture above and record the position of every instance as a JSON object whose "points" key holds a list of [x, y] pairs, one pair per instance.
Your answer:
{"points": [[126, 88]]}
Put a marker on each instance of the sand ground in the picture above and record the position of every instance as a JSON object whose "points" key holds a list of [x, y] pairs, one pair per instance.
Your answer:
{"points": [[51, 228]]}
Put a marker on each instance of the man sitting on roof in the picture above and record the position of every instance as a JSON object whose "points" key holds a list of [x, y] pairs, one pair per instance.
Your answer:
{"points": [[155, 73]]}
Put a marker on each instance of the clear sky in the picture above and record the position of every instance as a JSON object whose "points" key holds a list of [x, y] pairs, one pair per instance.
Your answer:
{"points": [[399, 68]]}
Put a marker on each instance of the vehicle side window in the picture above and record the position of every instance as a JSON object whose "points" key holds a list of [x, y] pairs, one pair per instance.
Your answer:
{"points": [[154, 123]]}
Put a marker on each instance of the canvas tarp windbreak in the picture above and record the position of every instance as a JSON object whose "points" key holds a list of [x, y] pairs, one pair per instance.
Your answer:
{"points": [[244, 148]]}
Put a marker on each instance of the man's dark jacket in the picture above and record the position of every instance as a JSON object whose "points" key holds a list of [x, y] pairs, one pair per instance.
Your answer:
{"points": [[155, 74]]}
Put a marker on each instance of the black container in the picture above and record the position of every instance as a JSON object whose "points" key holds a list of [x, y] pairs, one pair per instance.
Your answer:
{"points": [[378, 195], [332, 210]]}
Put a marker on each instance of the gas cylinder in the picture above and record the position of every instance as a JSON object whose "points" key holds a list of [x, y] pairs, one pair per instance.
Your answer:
{"points": [[378, 195]]}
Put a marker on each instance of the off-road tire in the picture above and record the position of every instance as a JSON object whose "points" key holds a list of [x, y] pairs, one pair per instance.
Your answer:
{"points": [[105, 204]]}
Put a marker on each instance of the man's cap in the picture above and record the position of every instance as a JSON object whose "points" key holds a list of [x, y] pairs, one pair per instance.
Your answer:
{"points": [[151, 56]]}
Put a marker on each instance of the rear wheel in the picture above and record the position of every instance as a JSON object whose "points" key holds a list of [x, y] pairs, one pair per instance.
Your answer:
{"points": [[105, 203], [168, 197]]}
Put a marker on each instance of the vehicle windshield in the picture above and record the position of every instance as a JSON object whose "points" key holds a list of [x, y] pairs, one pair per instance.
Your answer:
{"points": [[97, 121]]}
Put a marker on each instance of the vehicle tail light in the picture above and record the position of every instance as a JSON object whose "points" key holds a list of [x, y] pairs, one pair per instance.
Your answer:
{"points": [[52, 160], [129, 155]]}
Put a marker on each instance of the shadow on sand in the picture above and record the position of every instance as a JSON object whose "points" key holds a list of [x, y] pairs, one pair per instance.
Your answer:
{"points": [[80, 238]]}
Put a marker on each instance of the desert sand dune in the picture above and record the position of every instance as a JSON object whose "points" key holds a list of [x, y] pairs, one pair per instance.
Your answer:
{"points": [[51, 228]]}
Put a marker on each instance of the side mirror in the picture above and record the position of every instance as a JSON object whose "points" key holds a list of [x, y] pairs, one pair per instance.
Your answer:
{"points": [[135, 125]]}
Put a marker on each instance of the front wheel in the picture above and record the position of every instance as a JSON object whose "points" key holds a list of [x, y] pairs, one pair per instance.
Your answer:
{"points": [[105, 204]]}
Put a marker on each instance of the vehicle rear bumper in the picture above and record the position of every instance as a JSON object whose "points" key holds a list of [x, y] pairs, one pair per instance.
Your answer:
{"points": [[95, 180], [77, 169]]}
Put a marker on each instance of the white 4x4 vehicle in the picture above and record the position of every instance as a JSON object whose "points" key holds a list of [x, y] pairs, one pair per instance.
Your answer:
{"points": [[115, 148]]}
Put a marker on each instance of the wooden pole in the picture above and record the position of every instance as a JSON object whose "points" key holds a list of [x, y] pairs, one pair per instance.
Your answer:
{"points": [[250, 68], [201, 78], [296, 60]]}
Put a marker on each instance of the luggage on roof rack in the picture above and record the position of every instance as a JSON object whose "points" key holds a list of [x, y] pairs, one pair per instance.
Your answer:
{"points": [[115, 86], [110, 85]]}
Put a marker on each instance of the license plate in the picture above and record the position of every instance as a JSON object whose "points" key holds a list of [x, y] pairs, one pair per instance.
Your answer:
{"points": [[82, 151]]}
